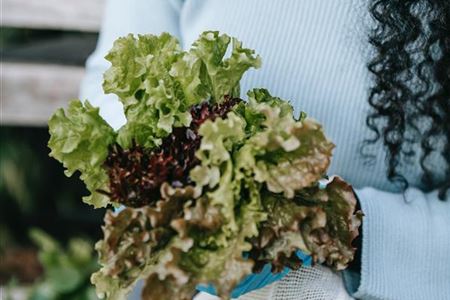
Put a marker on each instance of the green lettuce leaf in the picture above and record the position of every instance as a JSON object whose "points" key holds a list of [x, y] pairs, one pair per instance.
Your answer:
{"points": [[284, 153], [139, 76], [157, 82], [332, 244], [208, 233], [79, 139], [321, 223], [205, 258], [135, 242], [222, 75], [129, 246], [216, 169], [218, 138], [179, 270]]}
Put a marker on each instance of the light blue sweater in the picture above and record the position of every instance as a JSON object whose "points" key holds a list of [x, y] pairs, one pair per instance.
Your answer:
{"points": [[314, 53]]}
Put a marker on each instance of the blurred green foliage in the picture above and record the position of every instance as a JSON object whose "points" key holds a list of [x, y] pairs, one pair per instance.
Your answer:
{"points": [[66, 271], [19, 170], [34, 192]]}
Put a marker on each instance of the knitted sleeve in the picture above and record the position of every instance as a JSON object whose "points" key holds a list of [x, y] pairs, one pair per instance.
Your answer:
{"points": [[405, 247]]}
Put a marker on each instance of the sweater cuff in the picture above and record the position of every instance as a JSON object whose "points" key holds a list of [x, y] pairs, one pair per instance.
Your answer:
{"points": [[400, 234]]}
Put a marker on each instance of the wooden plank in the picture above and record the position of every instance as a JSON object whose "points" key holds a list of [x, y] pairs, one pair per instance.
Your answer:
{"points": [[71, 49], [83, 15], [32, 92]]}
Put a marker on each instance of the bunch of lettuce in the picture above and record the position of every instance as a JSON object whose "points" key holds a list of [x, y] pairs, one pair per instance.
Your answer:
{"points": [[214, 187]]}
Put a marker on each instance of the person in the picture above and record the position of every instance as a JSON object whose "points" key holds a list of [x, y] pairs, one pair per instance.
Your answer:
{"points": [[376, 74]]}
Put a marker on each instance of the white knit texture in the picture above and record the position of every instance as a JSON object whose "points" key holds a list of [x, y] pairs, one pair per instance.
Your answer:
{"points": [[307, 283]]}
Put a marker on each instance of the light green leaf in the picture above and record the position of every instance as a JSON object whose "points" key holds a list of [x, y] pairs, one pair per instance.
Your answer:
{"points": [[284, 153], [139, 75], [221, 74], [79, 139], [218, 139], [158, 83]]}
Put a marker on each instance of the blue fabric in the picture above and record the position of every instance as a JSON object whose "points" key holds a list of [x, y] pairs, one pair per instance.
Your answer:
{"points": [[258, 280], [119, 209]]}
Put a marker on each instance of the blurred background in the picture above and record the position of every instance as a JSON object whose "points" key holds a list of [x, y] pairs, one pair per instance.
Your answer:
{"points": [[47, 233]]}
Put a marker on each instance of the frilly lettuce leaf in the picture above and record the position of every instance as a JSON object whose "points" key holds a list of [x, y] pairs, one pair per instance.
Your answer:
{"points": [[284, 153], [216, 168], [173, 259], [79, 138], [208, 234], [332, 244], [174, 252], [320, 222], [139, 76], [157, 82], [218, 138], [132, 240], [207, 72], [223, 74]]}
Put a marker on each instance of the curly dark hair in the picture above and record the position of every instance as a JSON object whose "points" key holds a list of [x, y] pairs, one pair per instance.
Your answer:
{"points": [[410, 97]]}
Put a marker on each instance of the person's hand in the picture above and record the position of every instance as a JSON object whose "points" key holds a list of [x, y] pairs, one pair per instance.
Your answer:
{"points": [[257, 280]]}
